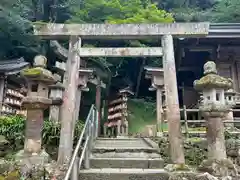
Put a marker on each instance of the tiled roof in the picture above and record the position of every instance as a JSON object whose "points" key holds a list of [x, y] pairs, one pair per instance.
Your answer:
{"points": [[12, 66]]}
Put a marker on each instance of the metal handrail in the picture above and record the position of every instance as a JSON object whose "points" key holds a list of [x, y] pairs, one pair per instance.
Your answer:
{"points": [[90, 132]]}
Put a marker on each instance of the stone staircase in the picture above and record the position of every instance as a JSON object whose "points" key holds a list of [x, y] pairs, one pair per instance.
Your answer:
{"points": [[125, 159]]}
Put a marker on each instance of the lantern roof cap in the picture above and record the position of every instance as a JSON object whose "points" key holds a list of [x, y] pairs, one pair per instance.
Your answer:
{"points": [[39, 74], [212, 79], [230, 92], [38, 71]]}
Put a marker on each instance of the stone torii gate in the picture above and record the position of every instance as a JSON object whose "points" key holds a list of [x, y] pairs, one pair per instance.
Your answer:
{"points": [[164, 32]]}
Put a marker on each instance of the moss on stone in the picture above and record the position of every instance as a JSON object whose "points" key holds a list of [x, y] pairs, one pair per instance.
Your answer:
{"points": [[213, 81], [177, 167], [37, 71]]}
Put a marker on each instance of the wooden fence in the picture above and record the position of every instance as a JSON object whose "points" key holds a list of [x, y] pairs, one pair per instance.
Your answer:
{"points": [[188, 122]]}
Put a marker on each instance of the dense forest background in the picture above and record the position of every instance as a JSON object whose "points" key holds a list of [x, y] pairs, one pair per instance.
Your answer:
{"points": [[17, 17]]}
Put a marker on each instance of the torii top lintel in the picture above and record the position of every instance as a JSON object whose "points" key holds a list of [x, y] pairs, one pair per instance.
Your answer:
{"points": [[120, 31]]}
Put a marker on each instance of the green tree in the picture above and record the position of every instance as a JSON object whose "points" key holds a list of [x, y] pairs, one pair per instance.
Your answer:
{"points": [[120, 11], [226, 11]]}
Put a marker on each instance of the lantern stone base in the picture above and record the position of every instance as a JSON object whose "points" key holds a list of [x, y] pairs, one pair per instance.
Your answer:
{"points": [[30, 160], [219, 168]]}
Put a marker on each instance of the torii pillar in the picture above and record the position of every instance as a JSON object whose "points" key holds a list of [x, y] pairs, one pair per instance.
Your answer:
{"points": [[156, 76], [98, 103], [68, 112], [172, 102]]}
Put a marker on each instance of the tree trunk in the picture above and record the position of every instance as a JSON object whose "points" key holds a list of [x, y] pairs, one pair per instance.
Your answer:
{"points": [[173, 112], [69, 97], [33, 135], [215, 138]]}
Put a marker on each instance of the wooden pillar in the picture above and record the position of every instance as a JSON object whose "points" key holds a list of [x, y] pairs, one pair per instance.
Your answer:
{"points": [[69, 101], [173, 111], [159, 109], [77, 108], [2, 85], [54, 113], [98, 103]]}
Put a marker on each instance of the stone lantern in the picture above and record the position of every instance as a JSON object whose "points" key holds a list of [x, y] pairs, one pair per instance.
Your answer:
{"points": [[230, 99], [84, 75], [214, 107], [56, 94], [157, 78], [35, 103]]}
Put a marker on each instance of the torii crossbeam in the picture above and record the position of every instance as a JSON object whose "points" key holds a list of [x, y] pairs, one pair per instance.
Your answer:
{"points": [[120, 31]]}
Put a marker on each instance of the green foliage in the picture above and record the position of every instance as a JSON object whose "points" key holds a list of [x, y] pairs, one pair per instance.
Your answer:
{"points": [[227, 11], [195, 151], [120, 11], [13, 128], [15, 28], [141, 113]]}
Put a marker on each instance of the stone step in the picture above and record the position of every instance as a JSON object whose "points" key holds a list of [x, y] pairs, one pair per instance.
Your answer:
{"points": [[143, 163], [126, 154], [124, 144], [123, 174], [124, 149]]}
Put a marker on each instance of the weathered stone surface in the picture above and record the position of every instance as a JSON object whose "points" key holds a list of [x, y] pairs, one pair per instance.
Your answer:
{"points": [[149, 131], [36, 102], [172, 101], [206, 176], [124, 174], [3, 146], [176, 167], [183, 176], [128, 162], [40, 74], [121, 52], [6, 166], [121, 31], [212, 79], [32, 159], [219, 168]]}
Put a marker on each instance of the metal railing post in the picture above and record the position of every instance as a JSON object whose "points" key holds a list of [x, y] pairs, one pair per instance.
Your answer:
{"points": [[75, 170], [96, 124], [93, 126], [88, 134], [86, 157]]}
